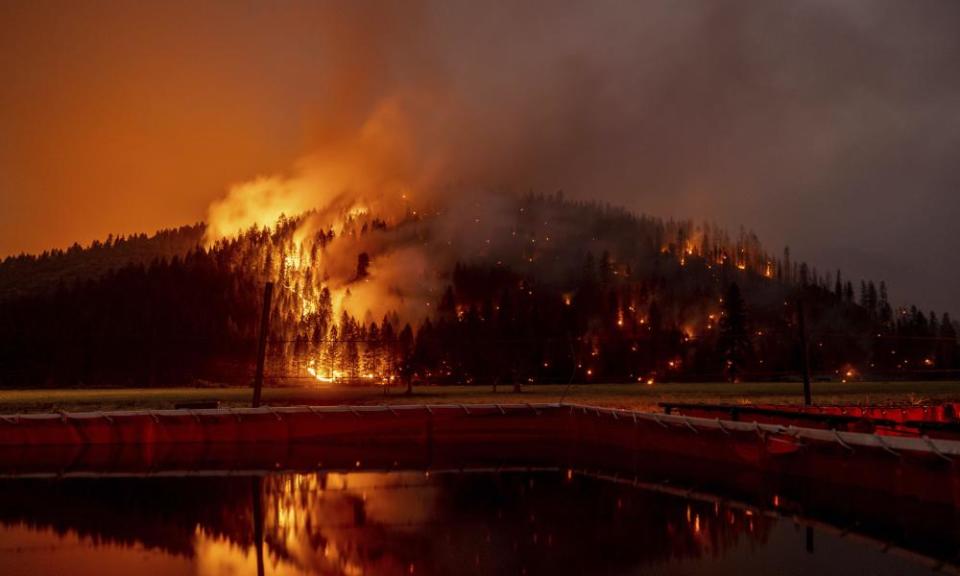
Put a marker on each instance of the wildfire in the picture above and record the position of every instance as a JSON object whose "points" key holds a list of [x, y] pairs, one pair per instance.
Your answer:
{"points": [[368, 244], [327, 376]]}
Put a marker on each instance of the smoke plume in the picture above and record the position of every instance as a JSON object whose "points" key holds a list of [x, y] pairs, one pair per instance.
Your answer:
{"points": [[823, 123]]}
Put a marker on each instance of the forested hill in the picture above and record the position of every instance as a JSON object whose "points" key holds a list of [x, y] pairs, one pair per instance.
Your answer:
{"points": [[549, 291], [28, 274]]}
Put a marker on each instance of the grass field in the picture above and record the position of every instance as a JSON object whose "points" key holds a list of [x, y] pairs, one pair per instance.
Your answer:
{"points": [[637, 396]]}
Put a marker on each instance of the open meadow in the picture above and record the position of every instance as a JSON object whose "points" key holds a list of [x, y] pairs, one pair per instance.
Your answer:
{"points": [[635, 396]]}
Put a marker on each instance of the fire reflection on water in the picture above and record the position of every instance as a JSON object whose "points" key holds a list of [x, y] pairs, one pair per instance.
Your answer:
{"points": [[327, 523], [218, 555], [382, 523]]}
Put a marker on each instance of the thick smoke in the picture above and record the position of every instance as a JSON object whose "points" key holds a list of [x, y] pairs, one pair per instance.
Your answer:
{"points": [[826, 124]]}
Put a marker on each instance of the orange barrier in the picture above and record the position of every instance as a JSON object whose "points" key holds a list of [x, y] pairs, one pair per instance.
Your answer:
{"points": [[898, 414], [945, 412], [938, 421], [307, 437]]}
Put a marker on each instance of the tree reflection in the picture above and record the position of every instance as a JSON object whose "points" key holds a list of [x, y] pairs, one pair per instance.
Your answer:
{"points": [[385, 523]]}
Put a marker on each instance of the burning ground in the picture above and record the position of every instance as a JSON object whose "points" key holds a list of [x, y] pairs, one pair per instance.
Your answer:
{"points": [[492, 288]]}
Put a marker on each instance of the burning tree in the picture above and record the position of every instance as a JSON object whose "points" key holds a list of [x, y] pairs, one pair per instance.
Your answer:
{"points": [[461, 297]]}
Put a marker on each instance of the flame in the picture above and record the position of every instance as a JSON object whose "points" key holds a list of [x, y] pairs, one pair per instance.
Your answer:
{"points": [[301, 511], [357, 172], [363, 191], [371, 234]]}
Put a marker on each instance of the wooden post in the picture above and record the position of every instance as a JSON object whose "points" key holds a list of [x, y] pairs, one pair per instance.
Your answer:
{"points": [[804, 352], [262, 343]]}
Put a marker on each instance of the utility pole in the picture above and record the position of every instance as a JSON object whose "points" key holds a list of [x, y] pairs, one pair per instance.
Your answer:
{"points": [[804, 352], [262, 343], [257, 485]]}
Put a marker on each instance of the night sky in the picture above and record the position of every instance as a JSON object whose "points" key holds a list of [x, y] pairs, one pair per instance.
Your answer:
{"points": [[831, 126]]}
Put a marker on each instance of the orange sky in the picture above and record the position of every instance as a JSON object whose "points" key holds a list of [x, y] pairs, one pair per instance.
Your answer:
{"points": [[134, 118], [828, 125]]}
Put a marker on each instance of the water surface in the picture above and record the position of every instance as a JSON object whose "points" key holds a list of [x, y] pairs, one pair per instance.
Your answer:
{"points": [[414, 522]]}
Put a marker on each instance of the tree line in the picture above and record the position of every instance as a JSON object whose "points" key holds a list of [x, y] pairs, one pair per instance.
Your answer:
{"points": [[613, 297]]}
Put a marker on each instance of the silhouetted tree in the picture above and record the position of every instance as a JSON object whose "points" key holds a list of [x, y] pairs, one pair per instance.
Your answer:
{"points": [[734, 342], [162, 310], [363, 264], [405, 353]]}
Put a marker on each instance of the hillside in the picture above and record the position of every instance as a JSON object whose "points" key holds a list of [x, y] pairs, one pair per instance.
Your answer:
{"points": [[26, 273], [530, 289]]}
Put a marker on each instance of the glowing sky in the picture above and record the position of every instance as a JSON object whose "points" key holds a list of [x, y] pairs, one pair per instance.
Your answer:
{"points": [[832, 126]]}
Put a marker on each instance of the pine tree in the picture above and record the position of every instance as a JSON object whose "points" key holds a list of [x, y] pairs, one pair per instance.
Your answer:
{"points": [[390, 351], [606, 268], [351, 354], [588, 276], [787, 266], [872, 298], [405, 353], [371, 352], [947, 351], [363, 264], [733, 342], [884, 310], [330, 357]]}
